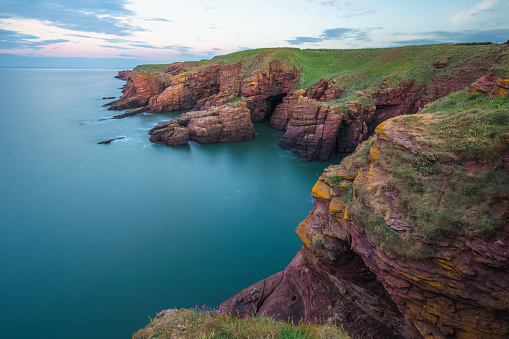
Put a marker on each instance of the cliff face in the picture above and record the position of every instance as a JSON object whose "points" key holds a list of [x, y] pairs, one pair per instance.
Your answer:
{"points": [[329, 115], [223, 124], [178, 89], [408, 237]]}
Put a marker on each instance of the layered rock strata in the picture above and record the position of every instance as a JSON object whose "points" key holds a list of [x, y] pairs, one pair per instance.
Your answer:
{"points": [[124, 75], [137, 92], [452, 286], [224, 124], [212, 86], [491, 85], [310, 128]]}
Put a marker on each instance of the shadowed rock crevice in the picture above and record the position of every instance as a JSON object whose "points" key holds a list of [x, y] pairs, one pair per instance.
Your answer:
{"points": [[342, 292], [272, 103]]}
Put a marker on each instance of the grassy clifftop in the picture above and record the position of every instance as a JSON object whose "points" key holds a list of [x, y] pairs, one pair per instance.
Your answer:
{"points": [[365, 70], [447, 167], [193, 324]]}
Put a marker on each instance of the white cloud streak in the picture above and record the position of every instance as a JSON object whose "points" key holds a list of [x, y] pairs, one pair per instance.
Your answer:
{"points": [[468, 12]]}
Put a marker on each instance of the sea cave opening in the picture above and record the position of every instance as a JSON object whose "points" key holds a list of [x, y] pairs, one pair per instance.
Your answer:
{"points": [[272, 102]]}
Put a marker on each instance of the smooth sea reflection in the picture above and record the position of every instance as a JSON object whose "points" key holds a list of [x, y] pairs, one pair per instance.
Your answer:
{"points": [[94, 239]]}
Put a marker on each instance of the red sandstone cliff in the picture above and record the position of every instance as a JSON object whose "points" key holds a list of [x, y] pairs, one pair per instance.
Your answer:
{"points": [[223, 124], [315, 125], [367, 264], [178, 89]]}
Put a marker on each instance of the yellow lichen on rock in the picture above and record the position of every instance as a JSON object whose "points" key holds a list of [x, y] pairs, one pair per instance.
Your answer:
{"points": [[336, 204], [503, 86], [302, 232], [379, 130], [374, 152], [321, 190]]}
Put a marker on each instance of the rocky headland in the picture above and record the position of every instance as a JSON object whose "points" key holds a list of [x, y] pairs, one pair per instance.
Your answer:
{"points": [[326, 101], [409, 235]]}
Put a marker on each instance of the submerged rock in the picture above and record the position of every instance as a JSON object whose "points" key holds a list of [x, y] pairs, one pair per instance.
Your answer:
{"points": [[109, 141]]}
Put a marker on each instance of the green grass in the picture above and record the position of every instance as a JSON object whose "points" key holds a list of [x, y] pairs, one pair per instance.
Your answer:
{"points": [[187, 324], [359, 73], [457, 183], [150, 67]]}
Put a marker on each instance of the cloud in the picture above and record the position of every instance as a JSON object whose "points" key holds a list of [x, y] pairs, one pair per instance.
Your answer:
{"points": [[437, 37], [159, 19], [80, 15], [466, 13], [345, 33], [16, 40], [125, 55], [144, 46], [182, 49], [348, 8], [339, 34], [51, 42], [7, 35], [114, 47], [303, 40]]}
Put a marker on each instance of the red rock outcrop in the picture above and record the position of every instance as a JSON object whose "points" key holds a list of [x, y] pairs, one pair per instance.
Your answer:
{"points": [[491, 85], [224, 124], [184, 90], [323, 91], [296, 117], [452, 286], [310, 127], [315, 131], [263, 85], [259, 89], [137, 92], [342, 292], [124, 75], [212, 86]]}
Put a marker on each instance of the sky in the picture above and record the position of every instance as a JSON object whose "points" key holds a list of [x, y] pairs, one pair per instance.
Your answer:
{"points": [[125, 33]]}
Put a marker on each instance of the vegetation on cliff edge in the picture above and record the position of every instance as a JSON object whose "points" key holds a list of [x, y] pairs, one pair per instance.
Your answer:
{"points": [[358, 73], [191, 324], [456, 184]]}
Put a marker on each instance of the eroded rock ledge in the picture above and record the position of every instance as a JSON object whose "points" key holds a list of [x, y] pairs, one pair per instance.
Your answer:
{"points": [[326, 117], [223, 124], [364, 264]]}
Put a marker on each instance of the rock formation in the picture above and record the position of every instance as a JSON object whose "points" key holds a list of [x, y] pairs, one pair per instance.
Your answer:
{"points": [[321, 123], [137, 92], [124, 75], [491, 85], [310, 128], [408, 237], [223, 124], [211, 86], [367, 264]]}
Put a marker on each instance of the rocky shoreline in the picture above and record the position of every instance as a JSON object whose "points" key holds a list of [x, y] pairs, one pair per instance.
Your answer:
{"points": [[315, 126], [453, 284]]}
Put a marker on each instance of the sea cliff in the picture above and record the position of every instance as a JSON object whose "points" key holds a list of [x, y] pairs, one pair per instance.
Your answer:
{"points": [[408, 236], [326, 101]]}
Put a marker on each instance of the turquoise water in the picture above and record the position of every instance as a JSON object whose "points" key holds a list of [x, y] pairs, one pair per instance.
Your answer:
{"points": [[94, 239]]}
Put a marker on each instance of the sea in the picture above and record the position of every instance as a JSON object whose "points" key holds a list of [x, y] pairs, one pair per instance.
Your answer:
{"points": [[95, 239]]}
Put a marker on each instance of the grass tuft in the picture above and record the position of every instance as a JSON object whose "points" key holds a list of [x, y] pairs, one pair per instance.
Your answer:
{"points": [[190, 324]]}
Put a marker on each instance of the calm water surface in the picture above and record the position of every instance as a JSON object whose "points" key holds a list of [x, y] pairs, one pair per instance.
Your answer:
{"points": [[94, 239]]}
